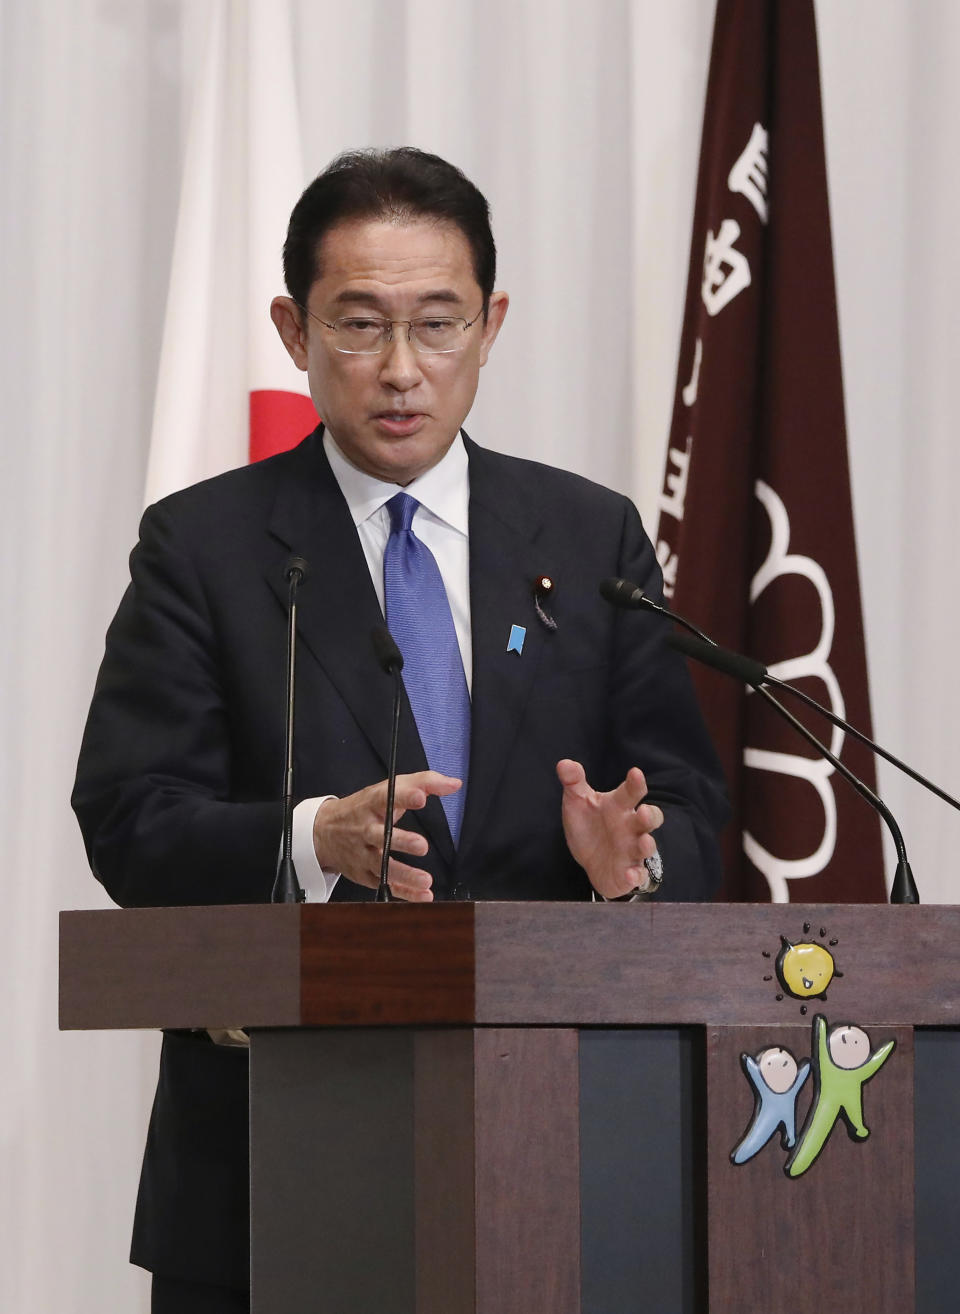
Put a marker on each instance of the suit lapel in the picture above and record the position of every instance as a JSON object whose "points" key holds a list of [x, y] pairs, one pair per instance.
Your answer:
{"points": [[504, 563], [338, 609]]}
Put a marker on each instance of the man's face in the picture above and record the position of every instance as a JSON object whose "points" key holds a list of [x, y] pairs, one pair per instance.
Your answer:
{"points": [[394, 414]]}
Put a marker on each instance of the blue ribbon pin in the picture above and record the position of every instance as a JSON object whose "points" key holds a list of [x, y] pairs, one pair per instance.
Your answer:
{"points": [[517, 635]]}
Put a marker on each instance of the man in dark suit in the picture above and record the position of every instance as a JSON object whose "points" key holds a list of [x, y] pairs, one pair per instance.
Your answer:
{"points": [[557, 702]]}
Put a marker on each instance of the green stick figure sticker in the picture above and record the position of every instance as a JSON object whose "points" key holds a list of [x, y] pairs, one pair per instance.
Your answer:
{"points": [[842, 1066]]}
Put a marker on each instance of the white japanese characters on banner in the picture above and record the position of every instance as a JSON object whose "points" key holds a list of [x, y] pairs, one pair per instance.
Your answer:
{"points": [[726, 273]]}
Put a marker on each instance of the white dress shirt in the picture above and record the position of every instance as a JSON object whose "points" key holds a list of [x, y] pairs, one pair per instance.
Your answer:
{"points": [[441, 523]]}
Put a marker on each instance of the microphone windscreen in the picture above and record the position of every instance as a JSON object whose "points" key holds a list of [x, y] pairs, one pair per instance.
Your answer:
{"points": [[621, 593], [385, 646], [721, 659], [298, 565]]}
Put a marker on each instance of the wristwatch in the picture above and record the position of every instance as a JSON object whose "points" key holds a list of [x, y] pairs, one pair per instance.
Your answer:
{"points": [[654, 868]]}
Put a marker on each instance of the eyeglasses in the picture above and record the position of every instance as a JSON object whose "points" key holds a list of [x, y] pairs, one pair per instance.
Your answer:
{"points": [[366, 335]]}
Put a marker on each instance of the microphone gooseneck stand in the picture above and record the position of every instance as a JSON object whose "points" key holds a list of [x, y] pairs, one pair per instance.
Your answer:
{"points": [[391, 660], [622, 593], [904, 889], [286, 886]]}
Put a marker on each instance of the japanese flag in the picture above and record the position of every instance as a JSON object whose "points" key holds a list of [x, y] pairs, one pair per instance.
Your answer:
{"points": [[227, 391]]}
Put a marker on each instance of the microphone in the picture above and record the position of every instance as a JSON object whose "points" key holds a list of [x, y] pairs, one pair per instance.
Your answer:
{"points": [[298, 566], [755, 673], [623, 593], [904, 888], [390, 659], [721, 659], [628, 596], [286, 886]]}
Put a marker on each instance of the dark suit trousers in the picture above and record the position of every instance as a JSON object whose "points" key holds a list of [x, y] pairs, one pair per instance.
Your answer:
{"points": [[172, 1297]]}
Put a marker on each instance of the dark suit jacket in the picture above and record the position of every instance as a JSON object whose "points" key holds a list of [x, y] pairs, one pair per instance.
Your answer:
{"points": [[181, 767]]}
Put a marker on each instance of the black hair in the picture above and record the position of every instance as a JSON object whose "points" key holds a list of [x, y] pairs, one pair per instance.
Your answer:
{"points": [[401, 184]]}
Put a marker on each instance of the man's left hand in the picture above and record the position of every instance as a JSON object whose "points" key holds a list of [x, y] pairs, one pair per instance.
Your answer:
{"points": [[609, 834]]}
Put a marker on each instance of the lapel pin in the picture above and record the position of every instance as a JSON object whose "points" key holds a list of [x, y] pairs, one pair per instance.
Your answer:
{"points": [[543, 588], [517, 635]]}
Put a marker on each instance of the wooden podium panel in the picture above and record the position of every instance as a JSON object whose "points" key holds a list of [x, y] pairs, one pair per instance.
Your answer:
{"points": [[847, 1223], [433, 1183], [495, 964], [435, 1112]]}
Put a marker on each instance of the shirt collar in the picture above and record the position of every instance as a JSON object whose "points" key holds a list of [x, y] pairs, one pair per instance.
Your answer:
{"points": [[443, 490]]}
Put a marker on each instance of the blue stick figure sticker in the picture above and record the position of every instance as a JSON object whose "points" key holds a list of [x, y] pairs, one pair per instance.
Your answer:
{"points": [[517, 635]]}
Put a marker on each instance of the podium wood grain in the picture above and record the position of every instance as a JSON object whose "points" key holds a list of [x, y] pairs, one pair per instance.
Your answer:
{"points": [[473, 1017]]}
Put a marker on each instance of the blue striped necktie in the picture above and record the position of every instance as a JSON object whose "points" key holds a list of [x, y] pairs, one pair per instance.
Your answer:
{"points": [[419, 618]]}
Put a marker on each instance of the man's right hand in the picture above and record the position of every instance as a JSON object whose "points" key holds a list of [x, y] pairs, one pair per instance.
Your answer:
{"points": [[348, 834]]}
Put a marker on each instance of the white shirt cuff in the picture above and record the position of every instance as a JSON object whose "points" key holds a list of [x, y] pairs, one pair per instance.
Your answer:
{"points": [[317, 882]]}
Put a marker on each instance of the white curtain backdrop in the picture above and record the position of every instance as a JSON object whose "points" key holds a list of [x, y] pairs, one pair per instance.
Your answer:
{"points": [[581, 123]]}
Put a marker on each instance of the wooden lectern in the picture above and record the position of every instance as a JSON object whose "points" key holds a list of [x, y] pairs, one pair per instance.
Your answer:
{"points": [[514, 1108]]}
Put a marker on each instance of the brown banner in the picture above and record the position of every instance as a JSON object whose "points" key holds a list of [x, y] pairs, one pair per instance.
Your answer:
{"points": [[756, 534]]}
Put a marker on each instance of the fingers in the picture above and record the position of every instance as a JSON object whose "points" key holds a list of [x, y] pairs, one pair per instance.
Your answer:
{"points": [[640, 843], [633, 790], [647, 846], [410, 842], [609, 834], [409, 883], [412, 790], [631, 794], [635, 849], [573, 777], [431, 782], [348, 833], [636, 878], [650, 816]]}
